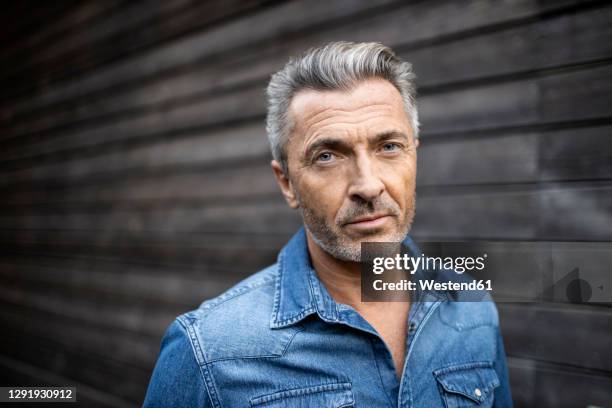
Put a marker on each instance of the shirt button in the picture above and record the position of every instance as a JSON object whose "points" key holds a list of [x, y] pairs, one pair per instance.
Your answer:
{"points": [[411, 327], [477, 392]]}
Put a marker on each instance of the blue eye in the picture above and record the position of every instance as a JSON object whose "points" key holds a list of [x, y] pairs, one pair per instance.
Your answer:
{"points": [[389, 147], [325, 156]]}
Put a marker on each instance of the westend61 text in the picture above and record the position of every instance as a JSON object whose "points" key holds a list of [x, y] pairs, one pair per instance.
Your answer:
{"points": [[425, 285]]}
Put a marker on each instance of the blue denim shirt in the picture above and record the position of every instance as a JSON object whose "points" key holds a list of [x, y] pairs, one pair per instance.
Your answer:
{"points": [[278, 339]]}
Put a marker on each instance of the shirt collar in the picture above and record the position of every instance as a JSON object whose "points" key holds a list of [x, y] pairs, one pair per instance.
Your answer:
{"points": [[298, 291]]}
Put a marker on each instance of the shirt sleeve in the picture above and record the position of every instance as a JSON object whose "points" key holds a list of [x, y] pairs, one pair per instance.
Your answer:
{"points": [[503, 396], [177, 380]]}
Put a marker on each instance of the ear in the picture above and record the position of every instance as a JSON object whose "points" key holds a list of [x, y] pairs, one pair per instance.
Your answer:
{"points": [[285, 185], [417, 141]]}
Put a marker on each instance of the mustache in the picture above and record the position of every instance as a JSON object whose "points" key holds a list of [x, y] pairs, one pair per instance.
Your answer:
{"points": [[356, 210]]}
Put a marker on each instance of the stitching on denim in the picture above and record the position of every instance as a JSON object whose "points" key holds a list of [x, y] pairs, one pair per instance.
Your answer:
{"points": [[463, 366], [297, 392], [487, 388], [199, 356], [262, 356], [279, 321], [297, 317], [296, 331], [378, 369], [207, 307], [431, 310], [312, 280], [210, 385], [449, 369], [277, 287], [195, 344]]}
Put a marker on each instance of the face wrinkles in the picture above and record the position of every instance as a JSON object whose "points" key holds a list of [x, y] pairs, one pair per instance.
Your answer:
{"points": [[361, 179], [329, 121]]}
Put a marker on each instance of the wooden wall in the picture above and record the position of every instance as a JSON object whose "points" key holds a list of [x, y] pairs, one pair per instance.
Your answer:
{"points": [[135, 182]]}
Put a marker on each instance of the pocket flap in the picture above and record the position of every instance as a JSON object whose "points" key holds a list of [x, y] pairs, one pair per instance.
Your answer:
{"points": [[337, 395], [475, 381]]}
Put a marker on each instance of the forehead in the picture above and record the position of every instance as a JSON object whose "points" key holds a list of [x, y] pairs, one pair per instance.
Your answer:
{"points": [[372, 100]]}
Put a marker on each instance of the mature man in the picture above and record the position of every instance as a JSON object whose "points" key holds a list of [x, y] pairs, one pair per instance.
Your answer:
{"points": [[343, 127]]}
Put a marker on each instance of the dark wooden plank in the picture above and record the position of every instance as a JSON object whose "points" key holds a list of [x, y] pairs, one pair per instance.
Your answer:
{"points": [[127, 33], [15, 26], [551, 213], [196, 184], [576, 153], [189, 117], [580, 214], [572, 335], [539, 385], [71, 21], [512, 51], [17, 373], [79, 28], [218, 249], [126, 382], [566, 96], [132, 316], [218, 148], [272, 217], [531, 156], [119, 283]]}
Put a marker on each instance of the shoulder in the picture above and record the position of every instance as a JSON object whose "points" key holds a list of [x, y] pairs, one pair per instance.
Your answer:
{"points": [[236, 324], [251, 290], [469, 308], [465, 315]]}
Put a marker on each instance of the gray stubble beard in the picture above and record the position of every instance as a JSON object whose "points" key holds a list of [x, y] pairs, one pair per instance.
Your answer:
{"points": [[340, 247]]}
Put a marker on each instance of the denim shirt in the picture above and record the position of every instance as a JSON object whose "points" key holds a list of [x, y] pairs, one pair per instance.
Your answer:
{"points": [[278, 339]]}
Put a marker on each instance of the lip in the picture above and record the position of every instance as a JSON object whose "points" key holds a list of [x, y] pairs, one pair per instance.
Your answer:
{"points": [[370, 222]]}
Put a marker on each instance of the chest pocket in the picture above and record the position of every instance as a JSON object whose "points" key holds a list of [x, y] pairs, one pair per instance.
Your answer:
{"points": [[467, 385], [335, 395]]}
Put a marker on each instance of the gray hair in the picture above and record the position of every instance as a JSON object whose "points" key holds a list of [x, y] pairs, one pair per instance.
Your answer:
{"points": [[336, 65]]}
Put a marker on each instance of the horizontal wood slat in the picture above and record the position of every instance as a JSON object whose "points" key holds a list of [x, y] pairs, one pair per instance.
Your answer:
{"points": [[543, 385], [548, 323]]}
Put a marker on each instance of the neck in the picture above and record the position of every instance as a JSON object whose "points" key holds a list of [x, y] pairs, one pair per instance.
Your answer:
{"points": [[342, 279]]}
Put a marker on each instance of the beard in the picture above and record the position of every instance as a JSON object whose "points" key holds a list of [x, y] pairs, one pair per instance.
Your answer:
{"points": [[332, 238]]}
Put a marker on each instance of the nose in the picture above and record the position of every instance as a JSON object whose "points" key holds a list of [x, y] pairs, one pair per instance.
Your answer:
{"points": [[366, 184]]}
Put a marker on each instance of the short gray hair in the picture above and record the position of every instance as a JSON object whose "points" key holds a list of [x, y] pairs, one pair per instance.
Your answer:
{"points": [[336, 65]]}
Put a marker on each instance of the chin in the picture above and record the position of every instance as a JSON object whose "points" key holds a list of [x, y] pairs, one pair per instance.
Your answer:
{"points": [[377, 236]]}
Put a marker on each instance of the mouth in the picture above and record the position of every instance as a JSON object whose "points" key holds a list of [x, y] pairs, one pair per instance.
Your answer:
{"points": [[370, 222]]}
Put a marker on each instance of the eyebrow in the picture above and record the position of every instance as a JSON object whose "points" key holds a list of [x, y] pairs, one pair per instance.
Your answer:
{"points": [[339, 144], [389, 134], [327, 142]]}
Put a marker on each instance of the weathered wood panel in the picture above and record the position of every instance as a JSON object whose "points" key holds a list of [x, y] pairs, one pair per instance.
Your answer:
{"points": [[536, 384]]}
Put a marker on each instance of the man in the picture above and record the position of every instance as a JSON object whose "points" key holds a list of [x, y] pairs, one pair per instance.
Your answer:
{"points": [[343, 128]]}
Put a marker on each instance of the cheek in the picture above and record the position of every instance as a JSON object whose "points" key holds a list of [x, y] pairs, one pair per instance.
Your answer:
{"points": [[322, 196], [401, 184]]}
